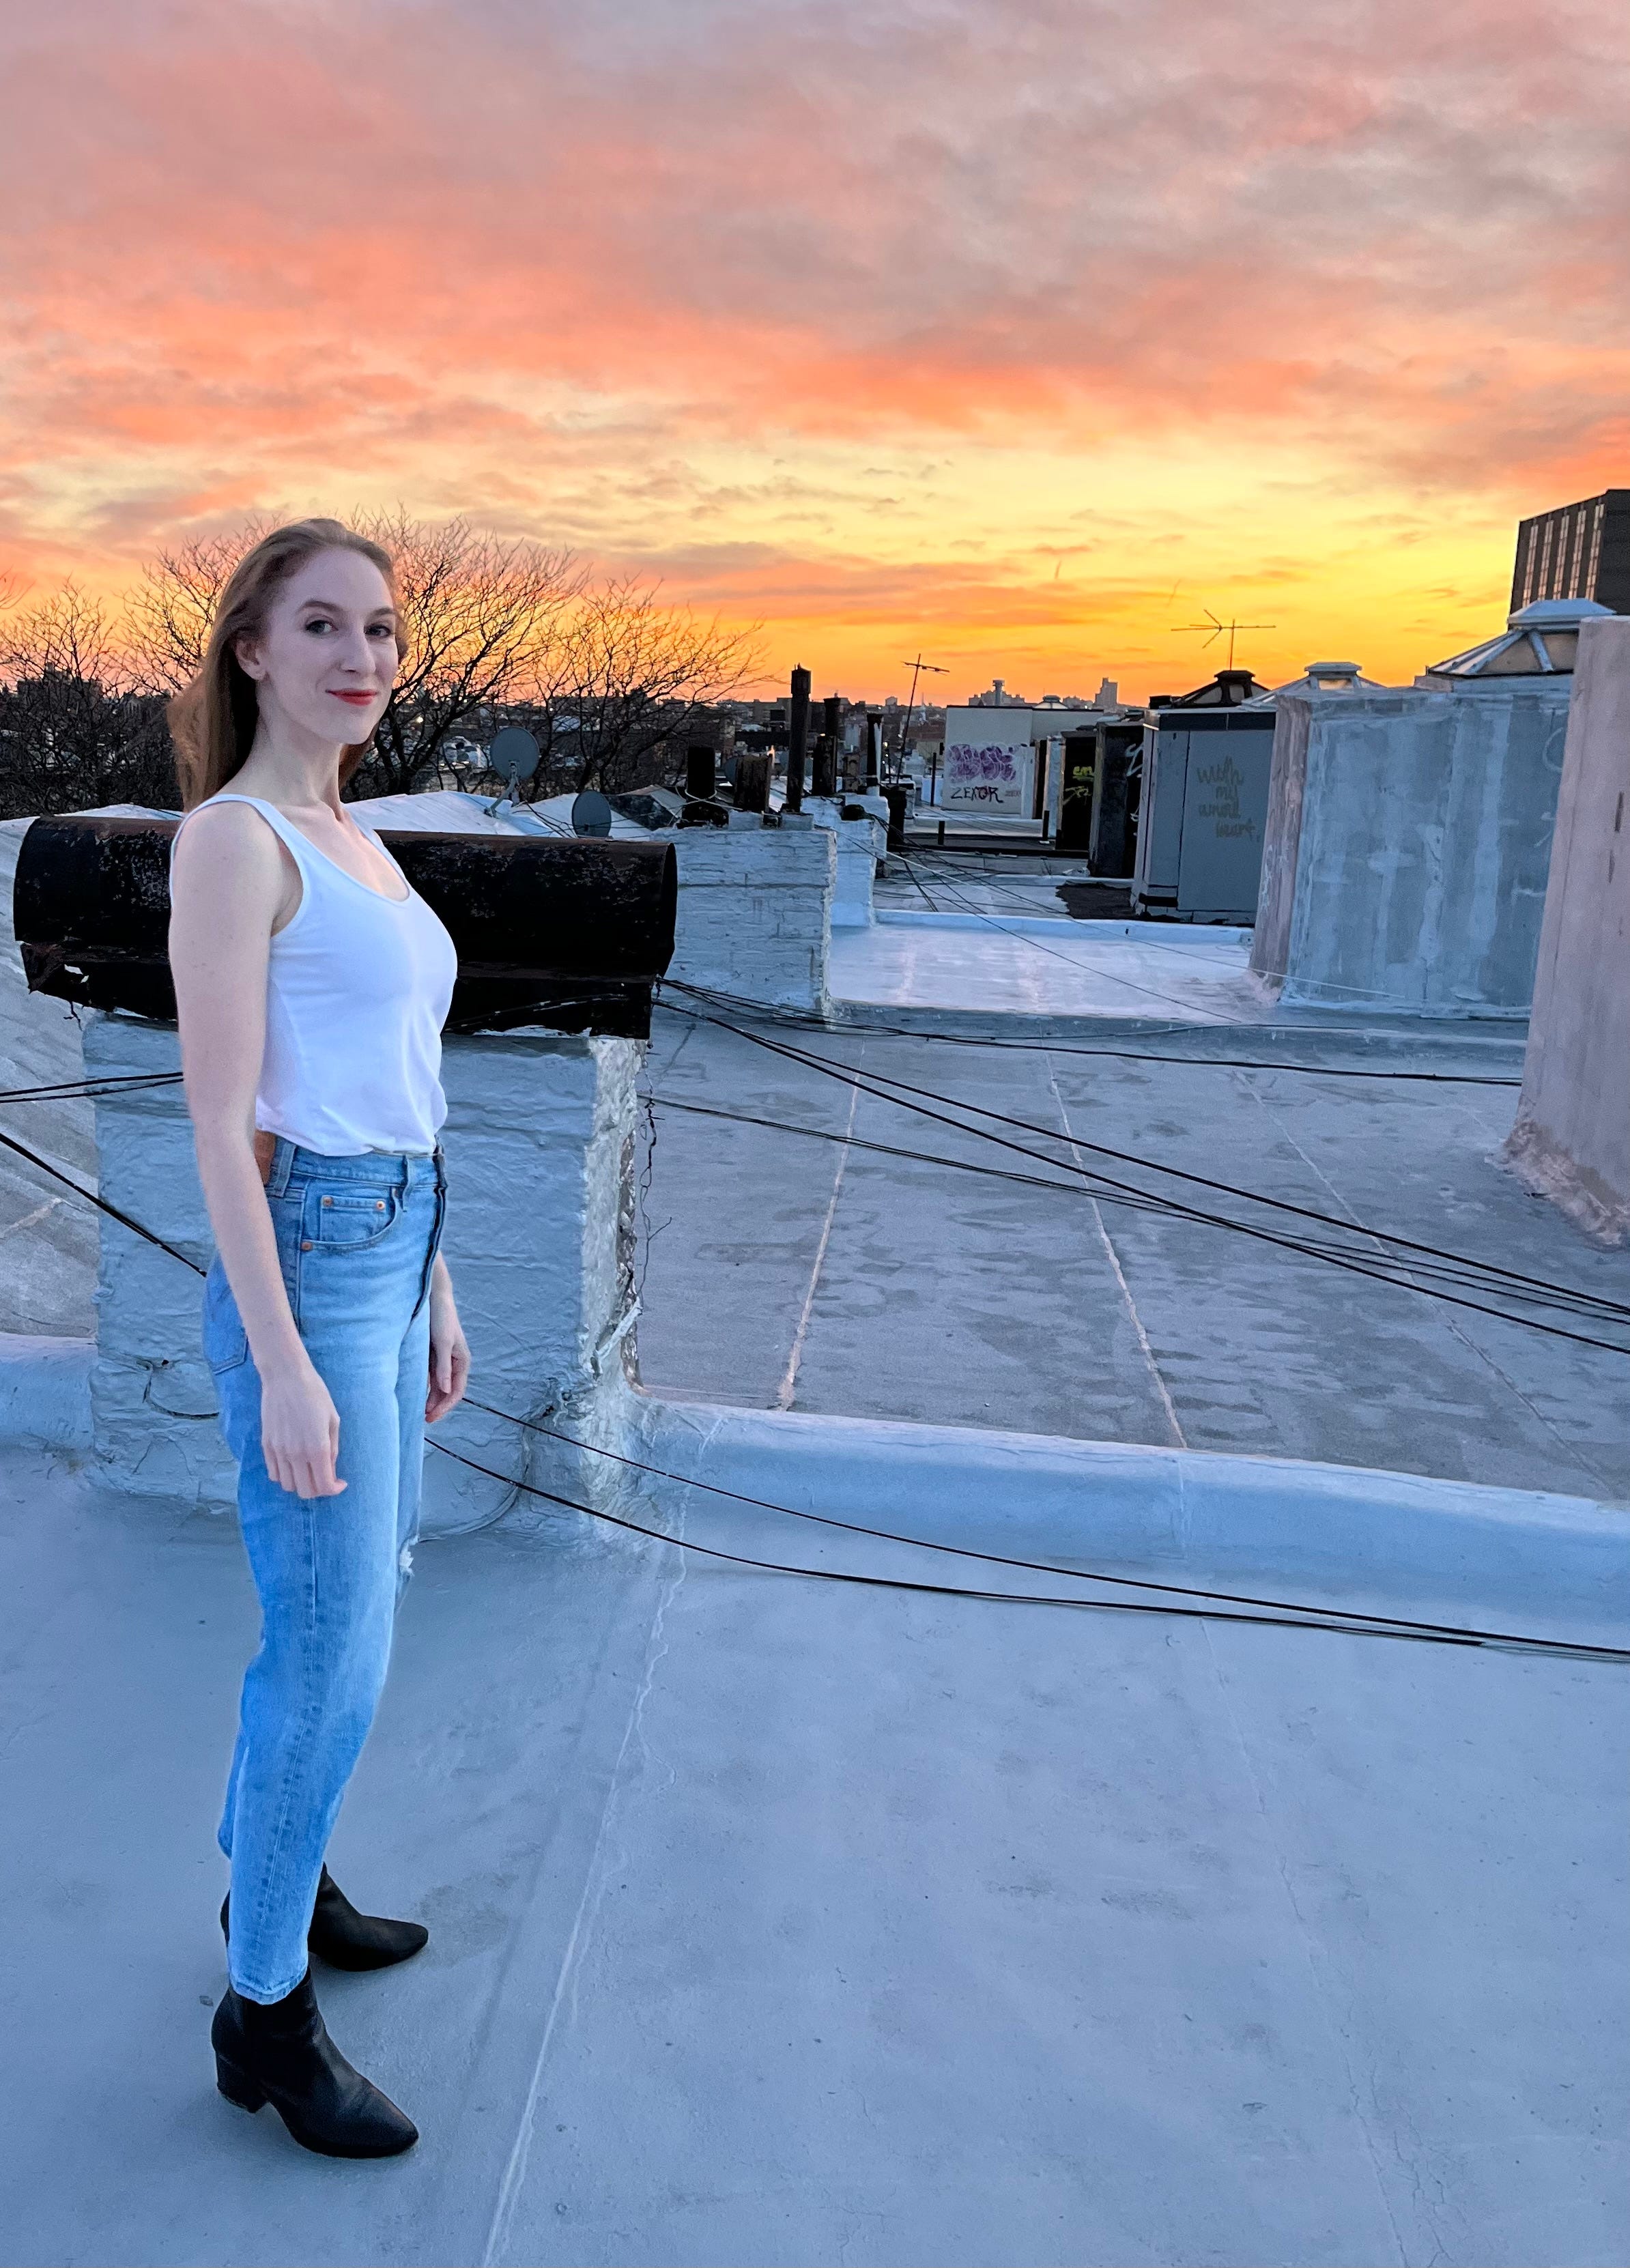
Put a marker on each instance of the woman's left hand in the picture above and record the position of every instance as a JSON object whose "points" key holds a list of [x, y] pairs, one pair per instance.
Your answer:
{"points": [[449, 1353]]}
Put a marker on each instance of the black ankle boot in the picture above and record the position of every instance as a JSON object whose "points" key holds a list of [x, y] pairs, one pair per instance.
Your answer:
{"points": [[346, 1939], [282, 2054]]}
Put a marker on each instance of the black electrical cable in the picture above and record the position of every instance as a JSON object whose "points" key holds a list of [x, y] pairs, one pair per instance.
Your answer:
{"points": [[1332, 1623], [947, 878], [1571, 1299], [1405, 1622], [1157, 943], [92, 1089], [1152, 1205], [1148, 1202], [877, 1083], [939, 874], [1378, 1268], [1378, 1626], [1348, 991], [72, 1090], [790, 1016], [95, 1196], [1110, 1191]]}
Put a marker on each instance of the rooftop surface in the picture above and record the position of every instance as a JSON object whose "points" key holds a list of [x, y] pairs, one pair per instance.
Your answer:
{"points": [[1015, 964], [801, 1269], [776, 1922]]}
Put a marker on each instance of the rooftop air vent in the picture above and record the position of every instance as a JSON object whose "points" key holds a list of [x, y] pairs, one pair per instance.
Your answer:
{"points": [[1329, 677]]}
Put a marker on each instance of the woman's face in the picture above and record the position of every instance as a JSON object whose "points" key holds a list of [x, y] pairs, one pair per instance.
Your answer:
{"points": [[327, 657]]}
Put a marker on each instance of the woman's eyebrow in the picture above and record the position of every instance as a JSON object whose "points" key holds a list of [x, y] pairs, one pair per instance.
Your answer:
{"points": [[333, 607]]}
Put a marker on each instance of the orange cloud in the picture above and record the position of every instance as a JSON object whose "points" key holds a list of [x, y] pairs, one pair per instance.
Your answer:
{"points": [[886, 305]]}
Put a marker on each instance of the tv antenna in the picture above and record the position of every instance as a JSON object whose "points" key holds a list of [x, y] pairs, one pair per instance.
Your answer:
{"points": [[917, 668], [1215, 628]]}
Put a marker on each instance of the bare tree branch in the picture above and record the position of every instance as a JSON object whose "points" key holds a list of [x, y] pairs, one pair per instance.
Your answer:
{"points": [[481, 614], [628, 676], [478, 612], [610, 678], [169, 612], [76, 728]]}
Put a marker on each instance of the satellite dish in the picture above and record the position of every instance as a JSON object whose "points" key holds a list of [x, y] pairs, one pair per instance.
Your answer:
{"points": [[591, 813], [513, 755]]}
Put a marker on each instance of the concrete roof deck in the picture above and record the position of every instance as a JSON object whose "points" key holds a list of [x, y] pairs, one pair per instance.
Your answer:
{"points": [[977, 962], [782, 1270], [781, 1923], [777, 1924]]}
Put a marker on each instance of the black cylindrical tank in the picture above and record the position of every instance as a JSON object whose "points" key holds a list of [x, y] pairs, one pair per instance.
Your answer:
{"points": [[571, 934]]}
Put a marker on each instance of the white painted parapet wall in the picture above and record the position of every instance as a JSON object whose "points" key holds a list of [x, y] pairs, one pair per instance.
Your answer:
{"points": [[755, 912], [1406, 848], [861, 843], [1572, 1139], [1512, 1559], [540, 1239]]}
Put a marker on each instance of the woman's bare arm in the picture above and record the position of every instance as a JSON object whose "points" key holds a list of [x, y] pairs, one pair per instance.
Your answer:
{"points": [[232, 885]]}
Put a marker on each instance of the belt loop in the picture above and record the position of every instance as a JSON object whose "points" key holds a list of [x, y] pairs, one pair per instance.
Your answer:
{"points": [[281, 1166]]}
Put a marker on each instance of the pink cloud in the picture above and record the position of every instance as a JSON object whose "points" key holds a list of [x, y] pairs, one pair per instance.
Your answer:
{"points": [[253, 246]]}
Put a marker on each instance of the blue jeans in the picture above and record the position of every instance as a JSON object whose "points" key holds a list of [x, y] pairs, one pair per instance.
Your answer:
{"points": [[356, 1237]]}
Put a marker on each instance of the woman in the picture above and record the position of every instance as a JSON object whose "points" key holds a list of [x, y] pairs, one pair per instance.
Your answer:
{"points": [[310, 983]]}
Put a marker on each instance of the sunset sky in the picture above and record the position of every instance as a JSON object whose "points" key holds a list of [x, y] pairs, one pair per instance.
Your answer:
{"points": [[1017, 330]]}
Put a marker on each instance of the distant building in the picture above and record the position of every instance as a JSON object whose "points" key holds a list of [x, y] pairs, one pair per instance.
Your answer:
{"points": [[1578, 551], [1107, 696]]}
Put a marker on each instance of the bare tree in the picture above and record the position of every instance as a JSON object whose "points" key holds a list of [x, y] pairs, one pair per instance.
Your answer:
{"points": [[609, 677], [478, 612], [169, 612], [76, 731], [482, 615], [627, 678]]}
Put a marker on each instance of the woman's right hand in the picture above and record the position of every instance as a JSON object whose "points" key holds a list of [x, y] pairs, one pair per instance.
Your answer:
{"points": [[301, 1431]]}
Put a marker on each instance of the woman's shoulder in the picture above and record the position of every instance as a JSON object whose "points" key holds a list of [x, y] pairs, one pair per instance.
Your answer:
{"points": [[233, 830]]}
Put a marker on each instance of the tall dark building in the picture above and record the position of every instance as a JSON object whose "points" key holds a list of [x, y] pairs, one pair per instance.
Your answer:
{"points": [[1578, 551]]}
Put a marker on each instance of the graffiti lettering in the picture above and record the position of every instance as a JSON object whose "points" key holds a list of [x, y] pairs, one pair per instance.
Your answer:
{"points": [[965, 762]]}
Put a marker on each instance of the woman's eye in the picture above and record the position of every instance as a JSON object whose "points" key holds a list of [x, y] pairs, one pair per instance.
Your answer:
{"points": [[320, 622]]}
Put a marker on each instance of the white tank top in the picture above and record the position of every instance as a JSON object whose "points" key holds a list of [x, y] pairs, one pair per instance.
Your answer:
{"points": [[357, 987]]}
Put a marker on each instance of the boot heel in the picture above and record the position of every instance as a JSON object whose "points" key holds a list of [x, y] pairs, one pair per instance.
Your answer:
{"points": [[237, 2085]]}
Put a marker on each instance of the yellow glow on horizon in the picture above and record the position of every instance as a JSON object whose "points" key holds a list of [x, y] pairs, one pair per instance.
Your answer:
{"points": [[1016, 369], [1050, 568]]}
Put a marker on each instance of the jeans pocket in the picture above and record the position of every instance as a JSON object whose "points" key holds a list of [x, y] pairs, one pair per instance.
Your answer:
{"points": [[347, 1218], [438, 1222], [225, 1341]]}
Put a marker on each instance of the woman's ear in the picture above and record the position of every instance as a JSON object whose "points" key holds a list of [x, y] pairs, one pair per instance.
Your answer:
{"points": [[245, 654]]}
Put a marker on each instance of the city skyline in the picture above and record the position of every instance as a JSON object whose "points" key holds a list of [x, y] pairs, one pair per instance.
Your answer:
{"points": [[1016, 332]]}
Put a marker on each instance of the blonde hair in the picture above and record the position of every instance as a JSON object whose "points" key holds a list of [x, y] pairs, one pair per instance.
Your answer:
{"points": [[213, 720]]}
